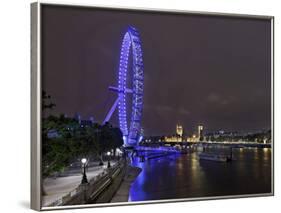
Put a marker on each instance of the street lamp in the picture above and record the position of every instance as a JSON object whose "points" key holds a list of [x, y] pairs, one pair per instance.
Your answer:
{"points": [[84, 178], [108, 157]]}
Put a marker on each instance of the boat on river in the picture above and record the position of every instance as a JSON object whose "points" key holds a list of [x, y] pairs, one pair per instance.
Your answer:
{"points": [[214, 157]]}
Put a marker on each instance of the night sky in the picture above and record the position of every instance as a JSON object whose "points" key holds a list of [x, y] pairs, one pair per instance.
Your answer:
{"points": [[212, 70]]}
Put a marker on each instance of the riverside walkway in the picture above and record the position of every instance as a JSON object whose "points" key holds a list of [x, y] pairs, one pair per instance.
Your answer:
{"points": [[57, 187]]}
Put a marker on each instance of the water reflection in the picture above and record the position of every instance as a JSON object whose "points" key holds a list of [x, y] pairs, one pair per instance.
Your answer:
{"points": [[184, 176]]}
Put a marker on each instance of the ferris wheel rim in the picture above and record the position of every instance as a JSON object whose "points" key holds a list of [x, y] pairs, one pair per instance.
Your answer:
{"points": [[131, 42]]}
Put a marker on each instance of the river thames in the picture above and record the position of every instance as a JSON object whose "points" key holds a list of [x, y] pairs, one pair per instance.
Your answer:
{"points": [[185, 176]]}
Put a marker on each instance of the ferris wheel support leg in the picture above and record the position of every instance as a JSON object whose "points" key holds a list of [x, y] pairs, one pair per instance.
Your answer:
{"points": [[111, 111]]}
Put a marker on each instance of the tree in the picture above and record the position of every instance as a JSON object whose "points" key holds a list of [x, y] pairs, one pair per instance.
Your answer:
{"points": [[58, 151], [73, 141], [46, 101], [117, 139]]}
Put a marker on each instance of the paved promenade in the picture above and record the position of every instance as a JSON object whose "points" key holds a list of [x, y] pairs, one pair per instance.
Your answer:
{"points": [[122, 194], [57, 187]]}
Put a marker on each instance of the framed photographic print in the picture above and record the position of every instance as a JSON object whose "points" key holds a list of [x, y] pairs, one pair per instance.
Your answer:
{"points": [[137, 106]]}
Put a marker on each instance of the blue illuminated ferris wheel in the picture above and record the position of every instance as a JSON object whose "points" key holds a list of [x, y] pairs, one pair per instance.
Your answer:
{"points": [[131, 131]]}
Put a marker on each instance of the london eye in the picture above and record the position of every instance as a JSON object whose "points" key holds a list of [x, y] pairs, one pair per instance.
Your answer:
{"points": [[131, 128]]}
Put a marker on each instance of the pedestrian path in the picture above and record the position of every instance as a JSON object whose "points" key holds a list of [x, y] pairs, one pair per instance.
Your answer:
{"points": [[122, 195], [57, 187]]}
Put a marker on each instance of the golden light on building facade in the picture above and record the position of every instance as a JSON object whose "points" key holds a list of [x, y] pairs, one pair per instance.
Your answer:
{"points": [[178, 137], [173, 139], [200, 133], [179, 130]]}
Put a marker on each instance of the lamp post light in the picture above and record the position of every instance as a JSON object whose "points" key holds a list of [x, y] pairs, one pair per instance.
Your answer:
{"points": [[84, 178], [108, 157]]}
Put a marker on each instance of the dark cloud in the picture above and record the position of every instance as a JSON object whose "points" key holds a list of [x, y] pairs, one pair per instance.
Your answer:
{"points": [[198, 69]]}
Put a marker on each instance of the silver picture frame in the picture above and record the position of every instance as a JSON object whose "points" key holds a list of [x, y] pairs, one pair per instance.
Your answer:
{"points": [[36, 101]]}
